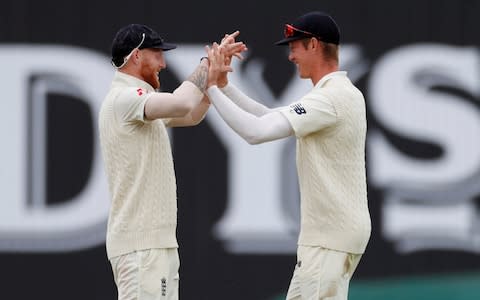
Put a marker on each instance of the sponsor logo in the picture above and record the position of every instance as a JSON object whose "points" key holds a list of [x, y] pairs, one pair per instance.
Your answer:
{"points": [[422, 154], [430, 175], [39, 82], [164, 286], [298, 108]]}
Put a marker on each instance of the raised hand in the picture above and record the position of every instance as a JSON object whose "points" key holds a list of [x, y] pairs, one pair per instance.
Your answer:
{"points": [[230, 48], [218, 66]]}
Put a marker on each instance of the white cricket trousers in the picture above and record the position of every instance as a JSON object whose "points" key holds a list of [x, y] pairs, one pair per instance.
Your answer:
{"points": [[322, 274], [150, 274]]}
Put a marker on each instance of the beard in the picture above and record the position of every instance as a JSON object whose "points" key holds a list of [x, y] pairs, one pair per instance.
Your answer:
{"points": [[151, 76], [153, 79]]}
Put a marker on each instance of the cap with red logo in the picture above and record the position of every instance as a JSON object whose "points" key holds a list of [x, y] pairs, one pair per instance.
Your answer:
{"points": [[313, 24]]}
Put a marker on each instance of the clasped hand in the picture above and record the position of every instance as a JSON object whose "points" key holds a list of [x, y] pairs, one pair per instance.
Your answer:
{"points": [[220, 57]]}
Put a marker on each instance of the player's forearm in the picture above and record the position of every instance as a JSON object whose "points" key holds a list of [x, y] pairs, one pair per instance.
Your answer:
{"points": [[198, 114], [194, 117], [200, 75], [253, 129], [173, 105], [243, 101]]}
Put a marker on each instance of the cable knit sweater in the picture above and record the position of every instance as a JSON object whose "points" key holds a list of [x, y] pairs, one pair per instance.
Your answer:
{"points": [[331, 166], [139, 165]]}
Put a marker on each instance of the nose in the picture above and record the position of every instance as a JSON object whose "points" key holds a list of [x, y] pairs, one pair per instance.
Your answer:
{"points": [[291, 57], [163, 63]]}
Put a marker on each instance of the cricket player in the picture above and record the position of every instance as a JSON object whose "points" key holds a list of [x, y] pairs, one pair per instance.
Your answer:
{"points": [[329, 123], [141, 235]]}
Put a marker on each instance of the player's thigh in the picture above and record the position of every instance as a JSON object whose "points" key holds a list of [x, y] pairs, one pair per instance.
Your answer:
{"points": [[125, 273], [150, 274], [325, 273], [294, 289], [158, 276]]}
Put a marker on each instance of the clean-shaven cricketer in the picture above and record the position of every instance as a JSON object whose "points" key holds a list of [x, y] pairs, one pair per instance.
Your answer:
{"points": [[329, 123]]}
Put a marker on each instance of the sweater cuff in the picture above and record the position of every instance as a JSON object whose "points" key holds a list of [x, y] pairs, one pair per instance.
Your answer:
{"points": [[189, 87], [228, 89]]}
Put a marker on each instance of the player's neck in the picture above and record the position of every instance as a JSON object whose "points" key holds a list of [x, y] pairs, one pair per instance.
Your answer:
{"points": [[325, 69]]}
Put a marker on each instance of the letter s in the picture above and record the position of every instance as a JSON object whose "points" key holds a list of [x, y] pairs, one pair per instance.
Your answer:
{"points": [[402, 100]]}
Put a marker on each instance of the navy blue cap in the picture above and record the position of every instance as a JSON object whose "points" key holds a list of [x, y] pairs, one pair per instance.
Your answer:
{"points": [[136, 35], [313, 24]]}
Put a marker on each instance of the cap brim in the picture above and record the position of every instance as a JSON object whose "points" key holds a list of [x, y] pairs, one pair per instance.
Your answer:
{"points": [[285, 41], [164, 46]]}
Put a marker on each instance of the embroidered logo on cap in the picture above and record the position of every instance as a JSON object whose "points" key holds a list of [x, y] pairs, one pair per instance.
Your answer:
{"points": [[139, 92]]}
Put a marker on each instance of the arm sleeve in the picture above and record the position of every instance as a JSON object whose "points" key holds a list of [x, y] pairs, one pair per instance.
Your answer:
{"points": [[129, 106], [255, 130], [244, 102], [312, 113], [187, 91]]}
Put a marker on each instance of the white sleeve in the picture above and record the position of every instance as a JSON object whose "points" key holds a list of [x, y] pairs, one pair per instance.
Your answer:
{"points": [[129, 105], [255, 130], [244, 102], [312, 113], [162, 105]]}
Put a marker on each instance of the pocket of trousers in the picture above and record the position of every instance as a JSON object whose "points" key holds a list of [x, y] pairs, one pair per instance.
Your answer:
{"points": [[152, 271], [351, 263]]}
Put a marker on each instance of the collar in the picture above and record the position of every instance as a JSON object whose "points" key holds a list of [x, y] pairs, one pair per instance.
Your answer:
{"points": [[330, 76], [124, 79]]}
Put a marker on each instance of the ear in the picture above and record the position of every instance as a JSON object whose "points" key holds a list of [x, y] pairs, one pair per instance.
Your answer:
{"points": [[315, 43], [136, 56]]}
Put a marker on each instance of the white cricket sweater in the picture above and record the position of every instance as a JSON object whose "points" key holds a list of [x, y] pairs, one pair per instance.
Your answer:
{"points": [[331, 166], [140, 170]]}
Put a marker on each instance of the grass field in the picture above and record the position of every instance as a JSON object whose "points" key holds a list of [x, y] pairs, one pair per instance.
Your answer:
{"points": [[445, 287]]}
